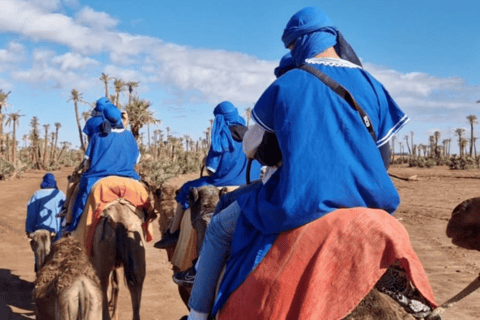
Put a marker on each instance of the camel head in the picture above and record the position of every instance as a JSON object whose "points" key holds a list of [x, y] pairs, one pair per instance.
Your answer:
{"points": [[464, 225], [204, 199], [40, 242], [165, 192]]}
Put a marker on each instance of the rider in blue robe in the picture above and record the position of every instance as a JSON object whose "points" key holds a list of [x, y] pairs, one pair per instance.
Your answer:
{"points": [[330, 160], [111, 152], [225, 160]]}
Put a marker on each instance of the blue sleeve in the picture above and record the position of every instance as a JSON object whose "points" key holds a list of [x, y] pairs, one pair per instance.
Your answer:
{"points": [[391, 118], [31, 220], [264, 109], [213, 160], [88, 152]]}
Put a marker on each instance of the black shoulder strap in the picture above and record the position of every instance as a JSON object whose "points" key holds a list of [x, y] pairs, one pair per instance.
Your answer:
{"points": [[342, 92]]}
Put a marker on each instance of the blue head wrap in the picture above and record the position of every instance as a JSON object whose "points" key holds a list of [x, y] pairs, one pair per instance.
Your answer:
{"points": [[225, 115], [312, 32], [94, 124], [286, 64], [113, 119], [48, 181], [100, 106]]}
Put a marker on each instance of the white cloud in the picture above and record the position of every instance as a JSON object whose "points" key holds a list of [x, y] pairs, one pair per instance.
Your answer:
{"points": [[58, 72], [94, 19], [46, 5], [73, 61], [189, 74], [11, 56]]}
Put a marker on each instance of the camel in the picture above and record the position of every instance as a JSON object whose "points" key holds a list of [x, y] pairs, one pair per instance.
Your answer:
{"points": [[202, 202], [165, 205], [40, 242], [464, 230], [119, 241], [377, 304], [464, 225], [67, 287]]}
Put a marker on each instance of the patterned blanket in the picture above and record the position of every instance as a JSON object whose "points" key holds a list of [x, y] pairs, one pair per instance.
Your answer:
{"points": [[105, 191], [322, 270]]}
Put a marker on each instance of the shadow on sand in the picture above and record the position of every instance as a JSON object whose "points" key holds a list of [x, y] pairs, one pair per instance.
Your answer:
{"points": [[17, 293]]}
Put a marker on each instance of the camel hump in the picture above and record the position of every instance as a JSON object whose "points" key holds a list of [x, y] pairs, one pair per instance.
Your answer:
{"points": [[64, 265], [467, 213]]}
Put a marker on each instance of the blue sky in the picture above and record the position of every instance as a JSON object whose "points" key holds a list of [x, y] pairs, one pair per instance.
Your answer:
{"points": [[191, 55]]}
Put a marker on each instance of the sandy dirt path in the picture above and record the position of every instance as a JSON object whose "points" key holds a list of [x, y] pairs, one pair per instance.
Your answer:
{"points": [[425, 209]]}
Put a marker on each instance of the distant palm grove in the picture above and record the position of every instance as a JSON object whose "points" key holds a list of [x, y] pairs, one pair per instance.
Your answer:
{"points": [[164, 155]]}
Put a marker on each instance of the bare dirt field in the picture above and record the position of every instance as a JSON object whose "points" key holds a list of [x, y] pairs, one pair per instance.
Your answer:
{"points": [[425, 209]]}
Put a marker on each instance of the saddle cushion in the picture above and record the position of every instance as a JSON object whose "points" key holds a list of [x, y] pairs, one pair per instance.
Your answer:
{"points": [[323, 269], [105, 191]]}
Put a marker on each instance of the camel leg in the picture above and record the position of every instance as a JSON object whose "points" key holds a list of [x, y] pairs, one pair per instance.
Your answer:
{"points": [[103, 260], [138, 270], [114, 293]]}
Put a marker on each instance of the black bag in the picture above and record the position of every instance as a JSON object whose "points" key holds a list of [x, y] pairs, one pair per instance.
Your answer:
{"points": [[268, 152]]}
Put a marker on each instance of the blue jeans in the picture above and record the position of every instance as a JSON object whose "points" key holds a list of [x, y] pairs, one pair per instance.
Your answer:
{"points": [[213, 256]]}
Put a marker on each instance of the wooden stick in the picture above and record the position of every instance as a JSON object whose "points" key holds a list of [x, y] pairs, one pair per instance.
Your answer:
{"points": [[447, 304]]}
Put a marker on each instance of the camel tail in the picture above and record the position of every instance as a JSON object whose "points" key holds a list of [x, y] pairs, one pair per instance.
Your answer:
{"points": [[126, 255]]}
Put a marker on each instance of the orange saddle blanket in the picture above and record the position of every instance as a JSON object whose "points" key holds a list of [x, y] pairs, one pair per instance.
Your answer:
{"points": [[105, 191], [322, 270]]}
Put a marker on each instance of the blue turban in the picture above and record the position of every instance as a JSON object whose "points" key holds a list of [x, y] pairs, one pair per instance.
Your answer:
{"points": [[312, 32], [113, 120], [225, 115], [100, 106], [93, 124], [286, 64], [48, 181]]}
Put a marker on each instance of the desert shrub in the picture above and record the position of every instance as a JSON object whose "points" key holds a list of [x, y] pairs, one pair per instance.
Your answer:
{"points": [[6, 169], [430, 163]]}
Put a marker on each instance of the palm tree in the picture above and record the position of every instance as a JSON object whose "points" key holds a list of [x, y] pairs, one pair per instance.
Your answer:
{"points": [[408, 146], [413, 148], [45, 148], [119, 85], [459, 132], [76, 98], [34, 138], [14, 120], [139, 114], [105, 78], [58, 125], [3, 105], [431, 140], [393, 148], [436, 135], [131, 85], [472, 119]]}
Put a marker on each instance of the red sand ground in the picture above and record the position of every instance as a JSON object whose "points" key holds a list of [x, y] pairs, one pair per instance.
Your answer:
{"points": [[425, 210]]}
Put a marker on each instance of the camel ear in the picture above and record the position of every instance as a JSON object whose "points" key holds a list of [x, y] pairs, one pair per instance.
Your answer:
{"points": [[193, 195]]}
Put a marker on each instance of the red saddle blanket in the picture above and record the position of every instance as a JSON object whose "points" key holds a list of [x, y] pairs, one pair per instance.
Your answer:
{"points": [[107, 190], [322, 270]]}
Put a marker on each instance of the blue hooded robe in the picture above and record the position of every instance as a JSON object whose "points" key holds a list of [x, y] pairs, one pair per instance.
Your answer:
{"points": [[112, 152], [330, 160], [225, 158], [44, 206]]}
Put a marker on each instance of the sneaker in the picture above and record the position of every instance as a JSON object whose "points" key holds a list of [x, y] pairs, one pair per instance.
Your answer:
{"points": [[168, 240], [185, 278]]}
